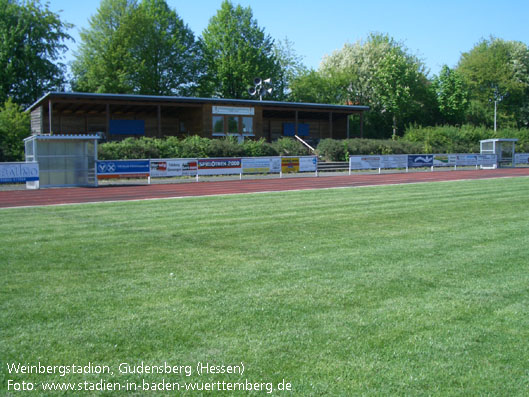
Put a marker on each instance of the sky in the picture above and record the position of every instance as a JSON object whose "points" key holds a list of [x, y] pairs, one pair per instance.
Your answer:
{"points": [[438, 32]]}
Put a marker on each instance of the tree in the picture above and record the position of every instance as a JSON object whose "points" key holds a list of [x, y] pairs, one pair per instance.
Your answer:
{"points": [[452, 96], [313, 87], [104, 60], [164, 51], [235, 50], [382, 74], [132, 47], [497, 66], [14, 127], [31, 48], [291, 66]]}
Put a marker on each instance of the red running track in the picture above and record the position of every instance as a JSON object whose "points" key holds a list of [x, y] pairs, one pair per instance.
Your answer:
{"points": [[21, 198]]}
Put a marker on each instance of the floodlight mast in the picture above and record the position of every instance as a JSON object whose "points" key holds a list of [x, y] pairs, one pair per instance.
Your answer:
{"points": [[259, 88], [497, 97]]}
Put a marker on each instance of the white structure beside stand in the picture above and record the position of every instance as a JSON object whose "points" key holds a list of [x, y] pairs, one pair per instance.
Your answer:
{"points": [[64, 160], [503, 148]]}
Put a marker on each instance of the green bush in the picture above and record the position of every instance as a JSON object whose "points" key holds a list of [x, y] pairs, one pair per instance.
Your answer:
{"points": [[289, 147], [194, 146], [258, 148], [189, 147], [225, 147], [129, 148], [463, 139], [332, 150], [340, 150]]}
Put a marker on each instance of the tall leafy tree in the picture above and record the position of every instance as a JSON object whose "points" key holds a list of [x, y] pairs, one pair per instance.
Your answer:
{"points": [[291, 66], [135, 47], [235, 50], [495, 66], [31, 48], [104, 61], [452, 96], [14, 127], [164, 51], [382, 74]]}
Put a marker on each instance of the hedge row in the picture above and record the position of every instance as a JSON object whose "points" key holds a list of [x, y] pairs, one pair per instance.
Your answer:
{"points": [[446, 139], [340, 150], [464, 139], [196, 146]]}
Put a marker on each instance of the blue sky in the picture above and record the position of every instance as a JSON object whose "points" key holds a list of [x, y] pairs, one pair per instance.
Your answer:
{"points": [[438, 32]]}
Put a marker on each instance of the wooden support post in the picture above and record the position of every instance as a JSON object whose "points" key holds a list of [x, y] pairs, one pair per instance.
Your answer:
{"points": [[347, 127], [108, 121], [330, 124], [296, 124], [361, 124], [50, 112], [159, 121]]}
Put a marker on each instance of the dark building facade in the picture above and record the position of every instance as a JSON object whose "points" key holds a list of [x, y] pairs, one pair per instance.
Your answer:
{"points": [[120, 116]]}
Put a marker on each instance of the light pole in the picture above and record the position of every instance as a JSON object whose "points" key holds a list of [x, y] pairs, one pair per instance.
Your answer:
{"points": [[497, 97]]}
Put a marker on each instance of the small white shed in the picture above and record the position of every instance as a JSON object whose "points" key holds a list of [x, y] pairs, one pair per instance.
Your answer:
{"points": [[64, 160], [503, 148]]}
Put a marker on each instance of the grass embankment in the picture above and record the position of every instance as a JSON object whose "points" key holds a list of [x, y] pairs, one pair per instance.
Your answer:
{"points": [[417, 289]]}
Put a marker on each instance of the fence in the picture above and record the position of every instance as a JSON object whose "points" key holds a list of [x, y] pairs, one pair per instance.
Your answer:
{"points": [[196, 167], [29, 172], [407, 161]]}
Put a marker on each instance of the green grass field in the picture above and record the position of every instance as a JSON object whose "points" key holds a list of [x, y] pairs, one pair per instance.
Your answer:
{"points": [[398, 290]]}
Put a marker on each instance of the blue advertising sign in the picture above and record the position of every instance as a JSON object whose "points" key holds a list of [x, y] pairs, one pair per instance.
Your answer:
{"points": [[19, 172], [127, 127], [123, 167], [420, 160]]}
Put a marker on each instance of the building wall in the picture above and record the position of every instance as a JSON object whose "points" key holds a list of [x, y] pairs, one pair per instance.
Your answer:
{"points": [[177, 120]]}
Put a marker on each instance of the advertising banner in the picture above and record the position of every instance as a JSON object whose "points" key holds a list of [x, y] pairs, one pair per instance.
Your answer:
{"points": [[219, 166], [521, 158], [289, 164], [122, 168], [256, 165], [307, 164], [394, 161], [487, 159], [161, 168], [275, 165], [444, 160], [420, 160], [364, 162], [466, 159], [19, 172]]}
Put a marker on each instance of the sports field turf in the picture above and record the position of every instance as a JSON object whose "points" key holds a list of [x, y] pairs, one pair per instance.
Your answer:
{"points": [[397, 290]]}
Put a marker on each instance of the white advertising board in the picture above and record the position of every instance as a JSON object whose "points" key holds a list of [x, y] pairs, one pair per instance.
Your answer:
{"points": [[219, 166], [275, 165], [19, 172], [364, 162], [466, 159], [394, 161], [256, 165], [521, 158], [487, 159], [233, 110], [307, 164], [161, 168]]}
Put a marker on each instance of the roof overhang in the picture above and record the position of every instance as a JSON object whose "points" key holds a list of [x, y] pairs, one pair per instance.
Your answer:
{"points": [[160, 100]]}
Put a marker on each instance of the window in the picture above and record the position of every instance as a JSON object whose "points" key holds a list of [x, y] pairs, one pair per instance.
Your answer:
{"points": [[247, 125], [218, 124], [232, 124]]}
